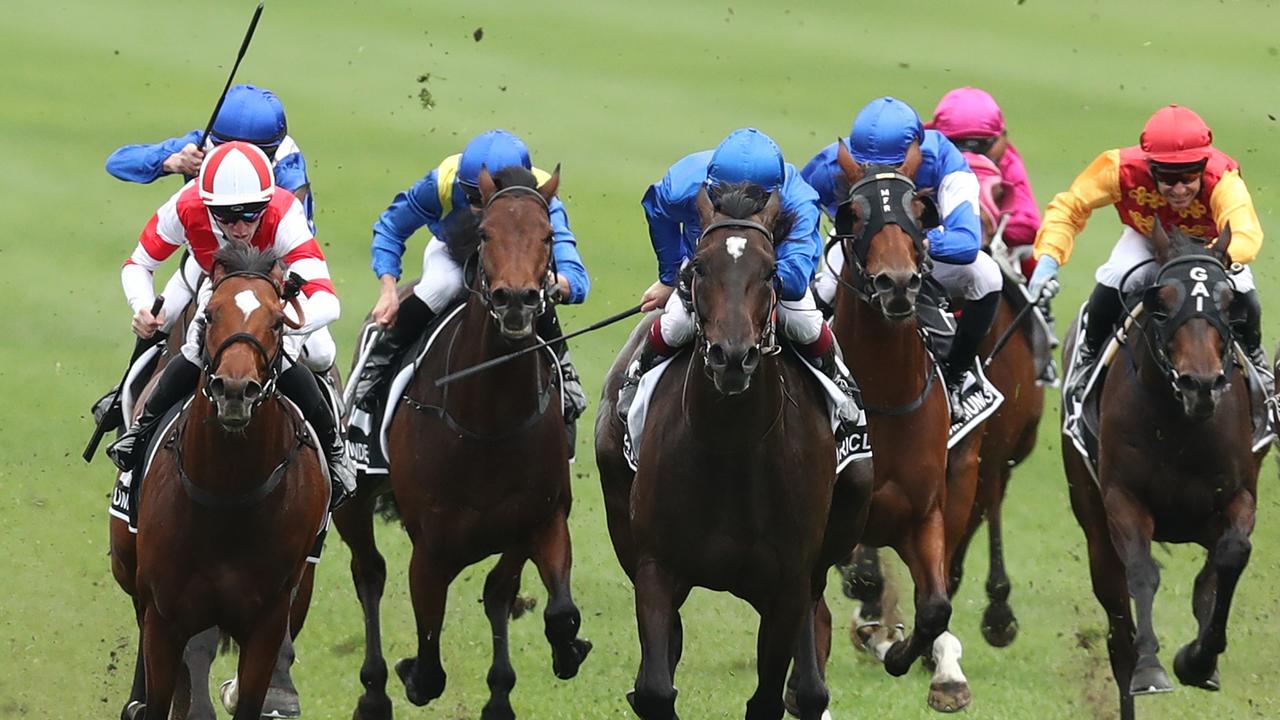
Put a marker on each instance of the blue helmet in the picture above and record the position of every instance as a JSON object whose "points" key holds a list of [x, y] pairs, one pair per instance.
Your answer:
{"points": [[747, 155], [251, 114], [883, 131], [493, 150]]}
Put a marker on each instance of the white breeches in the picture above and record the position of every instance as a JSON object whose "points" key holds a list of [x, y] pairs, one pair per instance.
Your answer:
{"points": [[1133, 249], [798, 320], [972, 281], [317, 350], [442, 279]]}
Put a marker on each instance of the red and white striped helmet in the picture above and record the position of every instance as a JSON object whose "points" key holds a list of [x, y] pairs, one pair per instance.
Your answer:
{"points": [[234, 175]]}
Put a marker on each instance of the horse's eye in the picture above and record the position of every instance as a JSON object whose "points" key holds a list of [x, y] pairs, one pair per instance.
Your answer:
{"points": [[699, 269]]}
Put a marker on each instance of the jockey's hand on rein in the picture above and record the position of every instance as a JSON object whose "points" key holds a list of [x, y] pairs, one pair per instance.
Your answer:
{"points": [[145, 324]]}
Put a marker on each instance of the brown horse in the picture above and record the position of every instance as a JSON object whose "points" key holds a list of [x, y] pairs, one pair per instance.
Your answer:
{"points": [[480, 466], [923, 499], [231, 505], [1175, 464], [737, 475]]}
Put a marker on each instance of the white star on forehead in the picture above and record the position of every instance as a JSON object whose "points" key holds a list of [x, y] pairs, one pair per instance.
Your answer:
{"points": [[735, 245], [247, 301]]}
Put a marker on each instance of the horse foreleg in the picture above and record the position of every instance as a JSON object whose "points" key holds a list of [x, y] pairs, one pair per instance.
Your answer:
{"points": [[806, 694], [1107, 575], [259, 649], [1197, 663], [429, 577], [136, 704], [354, 522], [999, 625], [553, 555], [1131, 527], [162, 651], [654, 697], [862, 580], [198, 657], [500, 589]]}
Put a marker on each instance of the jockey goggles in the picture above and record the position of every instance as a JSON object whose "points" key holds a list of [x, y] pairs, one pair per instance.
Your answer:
{"points": [[1172, 175], [238, 213], [976, 145]]}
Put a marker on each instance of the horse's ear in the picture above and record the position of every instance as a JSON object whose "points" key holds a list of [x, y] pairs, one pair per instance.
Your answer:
{"points": [[768, 215], [218, 271], [706, 211], [852, 170], [487, 186], [912, 162], [1160, 241], [1223, 244], [548, 188]]}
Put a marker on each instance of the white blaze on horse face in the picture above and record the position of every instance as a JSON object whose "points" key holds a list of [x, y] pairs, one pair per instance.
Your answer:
{"points": [[247, 301], [735, 245]]}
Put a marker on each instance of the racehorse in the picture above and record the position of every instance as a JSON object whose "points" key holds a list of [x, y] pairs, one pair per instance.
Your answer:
{"points": [[232, 503], [1175, 464], [737, 474], [480, 466], [923, 500]]}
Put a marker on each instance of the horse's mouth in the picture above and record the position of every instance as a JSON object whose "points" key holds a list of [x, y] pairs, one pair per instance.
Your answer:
{"points": [[896, 309], [731, 382], [234, 417]]}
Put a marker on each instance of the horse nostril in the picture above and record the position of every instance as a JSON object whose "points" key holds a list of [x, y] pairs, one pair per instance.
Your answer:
{"points": [[501, 296], [530, 297], [252, 390], [751, 360], [913, 284], [716, 356], [217, 387], [1220, 382], [882, 283], [1187, 384]]}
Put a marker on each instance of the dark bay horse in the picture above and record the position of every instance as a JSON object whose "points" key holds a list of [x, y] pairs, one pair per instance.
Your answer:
{"points": [[480, 466], [1175, 464], [737, 475], [923, 498], [231, 505]]}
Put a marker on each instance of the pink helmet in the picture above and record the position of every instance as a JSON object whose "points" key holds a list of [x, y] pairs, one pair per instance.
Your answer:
{"points": [[235, 175], [967, 112]]}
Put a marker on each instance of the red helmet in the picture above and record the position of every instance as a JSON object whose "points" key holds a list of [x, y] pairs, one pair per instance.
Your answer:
{"points": [[1176, 135], [234, 175]]}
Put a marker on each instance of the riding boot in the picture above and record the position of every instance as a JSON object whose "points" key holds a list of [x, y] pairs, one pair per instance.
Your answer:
{"points": [[1102, 314], [647, 357], [411, 319], [574, 397], [299, 384], [831, 364], [1246, 323], [177, 381], [975, 323]]}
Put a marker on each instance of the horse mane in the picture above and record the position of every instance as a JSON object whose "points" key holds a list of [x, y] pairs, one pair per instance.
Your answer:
{"points": [[238, 257], [461, 230], [1183, 243], [742, 200]]}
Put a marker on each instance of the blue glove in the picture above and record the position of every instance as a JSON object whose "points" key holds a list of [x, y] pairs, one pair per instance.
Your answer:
{"points": [[1044, 280]]}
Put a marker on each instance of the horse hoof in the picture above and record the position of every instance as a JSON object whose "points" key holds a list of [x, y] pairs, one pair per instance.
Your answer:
{"points": [[498, 710], [133, 710], [789, 702], [372, 707], [1205, 678], [999, 626], [521, 605], [896, 661], [949, 697], [281, 703], [1149, 678], [229, 693], [565, 664], [418, 694]]}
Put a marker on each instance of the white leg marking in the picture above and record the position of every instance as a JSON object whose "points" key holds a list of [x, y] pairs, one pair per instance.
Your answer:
{"points": [[946, 658]]}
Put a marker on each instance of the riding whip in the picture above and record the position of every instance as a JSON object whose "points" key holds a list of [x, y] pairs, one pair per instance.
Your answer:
{"points": [[1008, 331], [511, 356], [253, 24], [139, 347]]}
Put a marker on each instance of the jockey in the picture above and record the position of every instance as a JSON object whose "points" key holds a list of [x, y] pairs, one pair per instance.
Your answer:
{"points": [[452, 187], [1174, 175], [886, 132], [670, 207], [971, 119], [233, 199]]}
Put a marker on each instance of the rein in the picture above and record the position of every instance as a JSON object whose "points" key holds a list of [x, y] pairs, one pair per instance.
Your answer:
{"points": [[549, 277], [271, 360], [768, 344]]}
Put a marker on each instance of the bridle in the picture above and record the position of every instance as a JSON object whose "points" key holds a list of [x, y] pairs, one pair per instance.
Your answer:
{"points": [[482, 280], [768, 344], [1197, 280], [271, 359], [880, 199]]}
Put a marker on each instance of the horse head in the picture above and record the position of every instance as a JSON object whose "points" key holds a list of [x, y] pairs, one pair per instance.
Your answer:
{"points": [[881, 234], [244, 331], [512, 246], [730, 281], [1188, 328]]}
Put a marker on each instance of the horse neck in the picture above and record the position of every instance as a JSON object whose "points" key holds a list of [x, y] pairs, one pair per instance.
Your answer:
{"points": [[491, 398], [750, 415], [888, 358], [215, 458]]}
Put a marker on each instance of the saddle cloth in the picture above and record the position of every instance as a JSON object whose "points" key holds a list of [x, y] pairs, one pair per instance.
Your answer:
{"points": [[978, 395], [853, 441]]}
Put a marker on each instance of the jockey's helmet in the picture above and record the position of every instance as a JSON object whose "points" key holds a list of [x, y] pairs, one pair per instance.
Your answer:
{"points": [[1176, 136], [747, 155], [883, 131], [967, 112], [251, 114], [492, 150], [236, 177]]}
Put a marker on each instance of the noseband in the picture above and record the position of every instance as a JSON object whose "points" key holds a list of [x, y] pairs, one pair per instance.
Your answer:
{"points": [[883, 198], [271, 360], [1197, 280], [768, 344], [549, 277]]}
